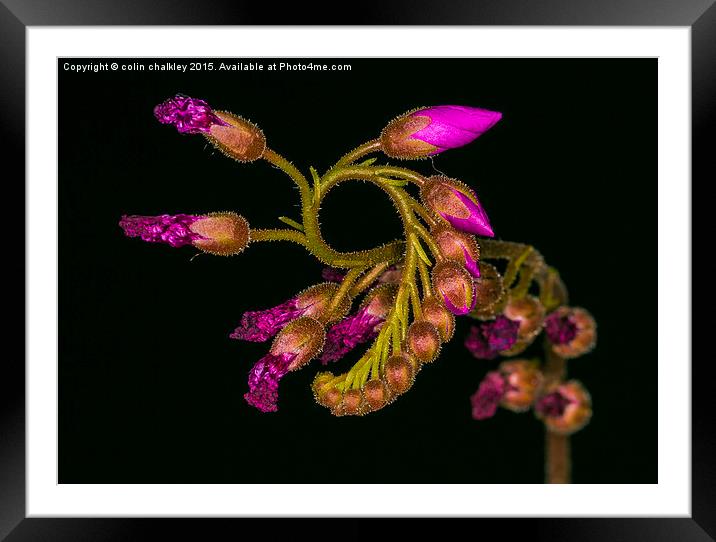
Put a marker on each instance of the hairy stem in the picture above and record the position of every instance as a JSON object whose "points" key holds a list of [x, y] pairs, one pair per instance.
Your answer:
{"points": [[557, 447]]}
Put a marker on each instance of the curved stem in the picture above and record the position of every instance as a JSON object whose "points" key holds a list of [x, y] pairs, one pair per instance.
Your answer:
{"points": [[360, 151], [369, 278], [292, 171], [343, 291]]}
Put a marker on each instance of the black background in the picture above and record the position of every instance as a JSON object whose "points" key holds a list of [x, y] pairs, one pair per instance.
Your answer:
{"points": [[150, 386]]}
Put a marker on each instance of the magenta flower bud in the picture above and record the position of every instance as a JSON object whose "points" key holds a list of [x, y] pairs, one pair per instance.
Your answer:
{"points": [[187, 115], [455, 286], [457, 204], [259, 326], [361, 326], [459, 247], [298, 343], [565, 407], [221, 234], [488, 396], [431, 130], [234, 136], [487, 339]]}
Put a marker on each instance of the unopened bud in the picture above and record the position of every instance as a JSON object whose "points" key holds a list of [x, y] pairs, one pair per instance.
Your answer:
{"points": [[376, 394], [303, 337], [457, 204], [434, 311], [455, 286], [431, 130], [459, 247], [423, 341], [399, 373]]}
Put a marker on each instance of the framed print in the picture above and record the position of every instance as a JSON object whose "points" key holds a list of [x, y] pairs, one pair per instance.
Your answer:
{"points": [[221, 322]]}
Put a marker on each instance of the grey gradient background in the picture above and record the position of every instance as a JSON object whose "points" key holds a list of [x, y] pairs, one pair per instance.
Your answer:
{"points": [[15, 15]]}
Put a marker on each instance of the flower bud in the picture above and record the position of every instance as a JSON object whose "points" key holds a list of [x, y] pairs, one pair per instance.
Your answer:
{"points": [[523, 381], [490, 293], [435, 312], [455, 286], [399, 373], [423, 341], [222, 234], [325, 394], [487, 398], [303, 337], [459, 247], [376, 394], [456, 203], [259, 326], [529, 312], [565, 408], [431, 130], [571, 330], [237, 138], [352, 403]]}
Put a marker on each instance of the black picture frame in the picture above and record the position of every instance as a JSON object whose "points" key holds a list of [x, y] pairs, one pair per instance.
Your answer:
{"points": [[16, 15]]}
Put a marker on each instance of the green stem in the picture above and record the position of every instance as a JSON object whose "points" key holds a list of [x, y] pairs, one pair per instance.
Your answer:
{"points": [[294, 236], [359, 152]]}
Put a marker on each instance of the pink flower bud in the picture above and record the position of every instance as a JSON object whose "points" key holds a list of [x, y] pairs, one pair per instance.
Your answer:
{"points": [[458, 247], [455, 286], [488, 339], [431, 130], [488, 396], [303, 337], [259, 326], [456, 203], [222, 234], [376, 394], [361, 326], [234, 136], [571, 330], [565, 407]]}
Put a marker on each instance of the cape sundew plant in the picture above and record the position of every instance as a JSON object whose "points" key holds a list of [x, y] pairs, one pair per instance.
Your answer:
{"points": [[400, 298]]}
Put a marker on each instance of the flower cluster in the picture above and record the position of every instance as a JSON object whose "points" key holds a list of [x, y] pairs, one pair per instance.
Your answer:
{"points": [[395, 303]]}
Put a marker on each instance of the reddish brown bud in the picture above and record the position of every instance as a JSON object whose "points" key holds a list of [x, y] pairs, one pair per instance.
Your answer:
{"points": [[489, 291], [396, 138], [239, 139], [435, 312], [455, 286], [423, 341], [303, 337], [325, 394], [530, 313], [379, 300], [376, 394], [459, 247], [352, 403], [565, 407], [316, 299], [223, 234], [399, 373], [523, 381]]}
